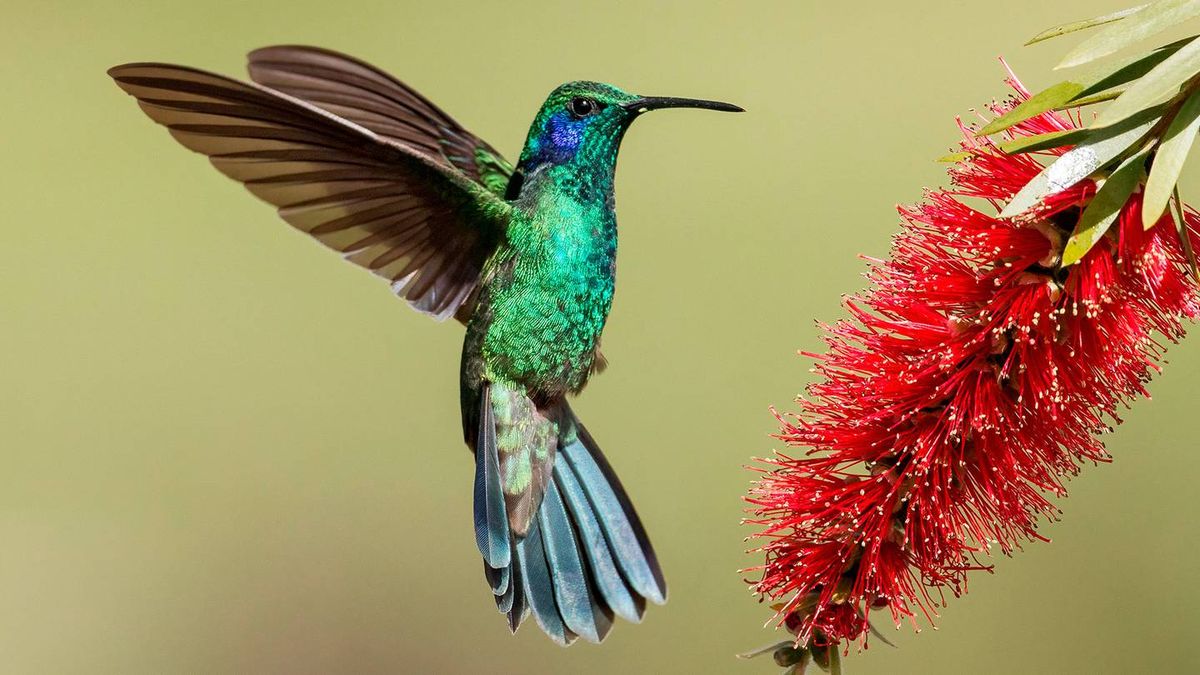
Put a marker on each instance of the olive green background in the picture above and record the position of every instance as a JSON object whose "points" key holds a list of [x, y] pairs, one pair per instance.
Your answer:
{"points": [[223, 450]]}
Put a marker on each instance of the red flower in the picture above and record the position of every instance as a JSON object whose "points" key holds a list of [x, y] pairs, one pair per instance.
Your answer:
{"points": [[970, 380]]}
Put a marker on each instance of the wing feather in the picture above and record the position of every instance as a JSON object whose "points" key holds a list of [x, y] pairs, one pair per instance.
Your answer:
{"points": [[393, 206], [359, 92]]}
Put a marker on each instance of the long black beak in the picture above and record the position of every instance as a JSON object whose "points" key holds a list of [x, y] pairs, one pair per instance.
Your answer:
{"points": [[656, 102]]}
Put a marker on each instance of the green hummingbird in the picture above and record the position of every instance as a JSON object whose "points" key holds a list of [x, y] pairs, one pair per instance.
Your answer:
{"points": [[524, 257]]}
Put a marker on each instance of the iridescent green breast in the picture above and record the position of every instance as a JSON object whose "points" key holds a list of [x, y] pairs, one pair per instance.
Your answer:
{"points": [[549, 295]]}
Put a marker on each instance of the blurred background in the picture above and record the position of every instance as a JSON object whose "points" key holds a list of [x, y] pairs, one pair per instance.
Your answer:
{"points": [[225, 451]]}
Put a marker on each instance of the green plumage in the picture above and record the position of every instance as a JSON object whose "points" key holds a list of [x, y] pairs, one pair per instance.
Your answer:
{"points": [[547, 290], [525, 257]]}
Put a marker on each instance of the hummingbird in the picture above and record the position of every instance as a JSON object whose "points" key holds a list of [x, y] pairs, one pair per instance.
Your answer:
{"points": [[523, 256]]}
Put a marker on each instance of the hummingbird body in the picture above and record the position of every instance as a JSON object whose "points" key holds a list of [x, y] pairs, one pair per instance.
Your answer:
{"points": [[547, 291], [525, 257]]}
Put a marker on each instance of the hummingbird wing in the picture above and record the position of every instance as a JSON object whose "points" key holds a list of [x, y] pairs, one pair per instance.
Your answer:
{"points": [[359, 92], [423, 226]]}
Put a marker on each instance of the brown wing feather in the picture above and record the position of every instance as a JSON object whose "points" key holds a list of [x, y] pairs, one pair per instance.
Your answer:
{"points": [[385, 206], [363, 94]]}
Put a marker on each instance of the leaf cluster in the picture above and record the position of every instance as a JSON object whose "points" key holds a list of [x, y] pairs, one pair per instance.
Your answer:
{"points": [[1141, 138]]}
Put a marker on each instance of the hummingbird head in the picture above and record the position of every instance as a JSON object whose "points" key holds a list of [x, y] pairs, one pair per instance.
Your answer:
{"points": [[582, 124]]}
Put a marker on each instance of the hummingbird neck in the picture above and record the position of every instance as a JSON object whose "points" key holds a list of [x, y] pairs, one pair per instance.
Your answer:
{"points": [[562, 158], [565, 214], [548, 184]]}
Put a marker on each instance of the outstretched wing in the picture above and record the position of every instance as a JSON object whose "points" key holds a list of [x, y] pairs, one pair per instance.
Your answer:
{"points": [[365, 95], [386, 206]]}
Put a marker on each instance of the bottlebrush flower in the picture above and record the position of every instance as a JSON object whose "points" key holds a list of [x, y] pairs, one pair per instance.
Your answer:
{"points": [[971, 379]]}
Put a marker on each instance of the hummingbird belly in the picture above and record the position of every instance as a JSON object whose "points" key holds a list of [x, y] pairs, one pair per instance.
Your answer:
{"points": [[546, 318]]}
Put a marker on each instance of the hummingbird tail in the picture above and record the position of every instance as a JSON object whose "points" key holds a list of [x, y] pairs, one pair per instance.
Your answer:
{"points": [[585, 556]]}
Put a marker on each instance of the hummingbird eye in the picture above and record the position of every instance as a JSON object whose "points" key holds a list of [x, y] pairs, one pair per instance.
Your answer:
{"points": [[582, 107]]}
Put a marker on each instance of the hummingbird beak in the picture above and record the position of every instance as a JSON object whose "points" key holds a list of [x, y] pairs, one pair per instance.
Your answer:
{"points": [[657, 102]]}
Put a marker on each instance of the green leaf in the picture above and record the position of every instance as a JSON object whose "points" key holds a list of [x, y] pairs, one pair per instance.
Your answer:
{"points": [[1046, 141], [1173, 149], [1093, 99], [766, 649], [1065, 94], [1102, 212], [1024, 144], [1039, 142], [1182, 229], [881, 636], [835, 662], [1154, 87], [1127, 70], [1149, 20], [1046, 99], [796, 669], [1097, 149], [1081, 25]]}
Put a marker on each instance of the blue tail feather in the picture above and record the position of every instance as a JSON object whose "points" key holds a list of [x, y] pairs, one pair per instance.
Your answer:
{"points": [[575, 597], [513, 602], [600, 559], [539, 587], [585, 557], [621, 525], [491, 518], [498, 579]]}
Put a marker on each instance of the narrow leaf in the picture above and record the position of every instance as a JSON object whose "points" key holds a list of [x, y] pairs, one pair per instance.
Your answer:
{"points": [[1102, 212], [1046, 99], [1154, 87], [1093, 99], [1184, 237], [1149, 20], [1065, 94], [1046, 141], [1124, 71], [881, 636], [1081, 25], [1025, 144], [766, 649], [1173, 149], [1098, 149]]}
